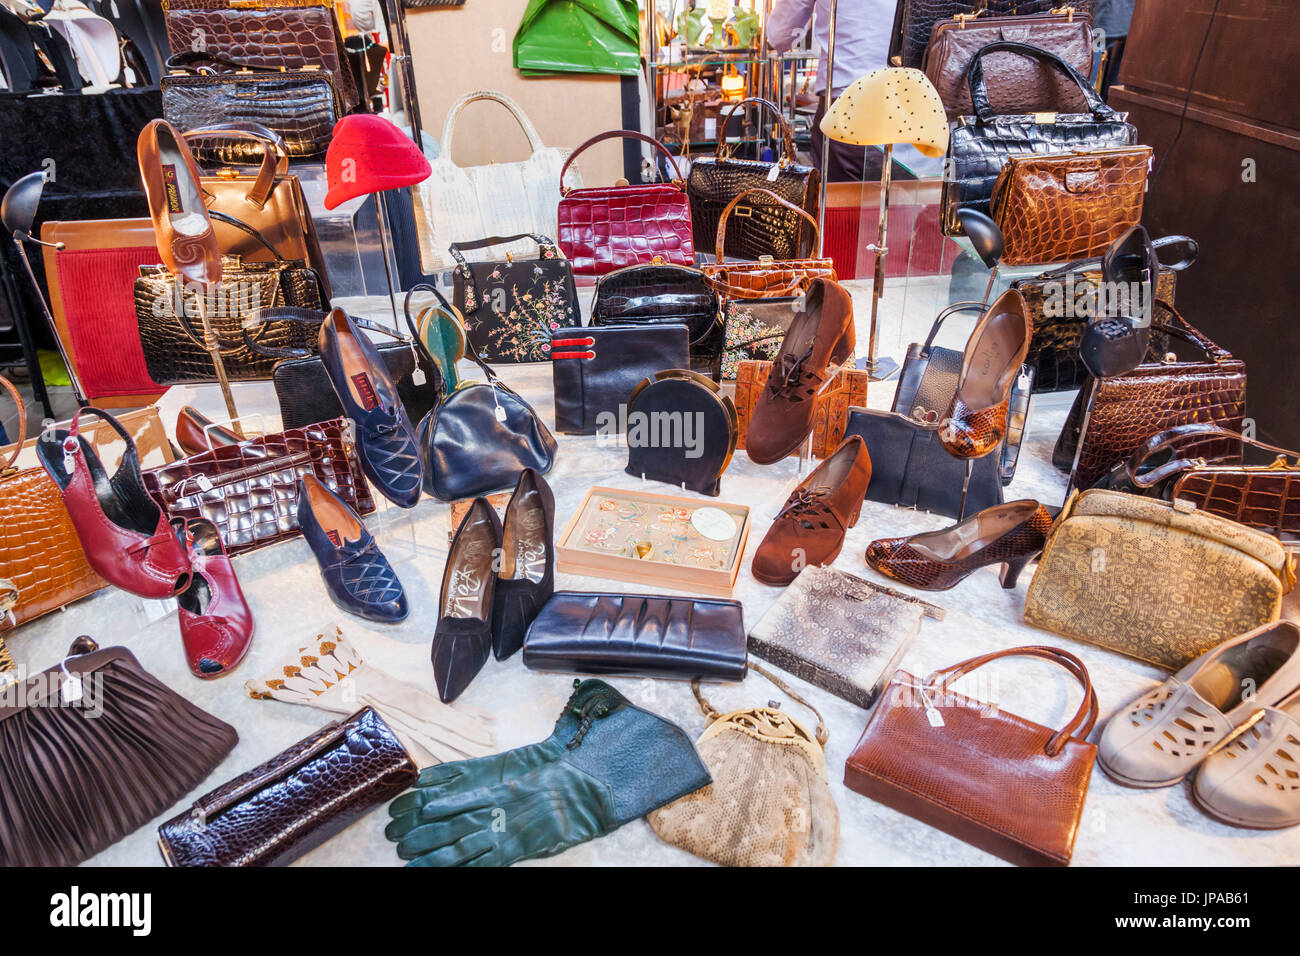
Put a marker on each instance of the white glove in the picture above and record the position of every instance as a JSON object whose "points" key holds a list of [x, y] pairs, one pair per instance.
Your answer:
{"points": [[365, 15], [331, 676]]}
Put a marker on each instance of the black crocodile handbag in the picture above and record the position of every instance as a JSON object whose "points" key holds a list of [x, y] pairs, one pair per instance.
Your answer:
{"points": [[302, 106], [980, 144]]}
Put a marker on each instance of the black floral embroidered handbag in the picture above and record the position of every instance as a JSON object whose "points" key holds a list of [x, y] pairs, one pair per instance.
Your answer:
{"points": [[512, 307]]}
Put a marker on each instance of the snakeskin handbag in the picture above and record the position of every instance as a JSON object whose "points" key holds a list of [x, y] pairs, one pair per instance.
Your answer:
{"points": [[300, 106], [1068, 205], [979, 145], [779, 232], [249, 490], [1155, 396]]}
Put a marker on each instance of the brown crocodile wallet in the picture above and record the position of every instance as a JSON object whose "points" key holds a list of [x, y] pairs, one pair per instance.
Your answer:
{"points": [[990, 778], [294, 802], [1068, 205]]}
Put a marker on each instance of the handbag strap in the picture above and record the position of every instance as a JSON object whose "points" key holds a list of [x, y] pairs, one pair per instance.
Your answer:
{"points": [[457, 249], [722, 220], [1192, 250], [979, 93], [938, 322], [7, 467], [1184, 330], [710, 712], [311, 317], [1180, 438], [723, 149], [275, 157], [622, 134], [186, 60], [230, 220], [1080, 724], [449, 125]]}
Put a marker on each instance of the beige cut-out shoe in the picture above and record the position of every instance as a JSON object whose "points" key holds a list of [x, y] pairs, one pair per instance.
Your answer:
{"points": [[1161, 737], [1254, 781]]}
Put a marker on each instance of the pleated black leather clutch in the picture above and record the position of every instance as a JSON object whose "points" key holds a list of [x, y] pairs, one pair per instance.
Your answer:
{"points": [[638, 635]]}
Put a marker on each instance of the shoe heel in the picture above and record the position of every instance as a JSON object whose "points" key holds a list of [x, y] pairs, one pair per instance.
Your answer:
{"points": [[1011, 571], [843, 350]]}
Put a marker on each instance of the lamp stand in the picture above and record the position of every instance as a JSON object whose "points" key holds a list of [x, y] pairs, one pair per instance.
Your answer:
{"points": [[880, 369], [213, 345]]}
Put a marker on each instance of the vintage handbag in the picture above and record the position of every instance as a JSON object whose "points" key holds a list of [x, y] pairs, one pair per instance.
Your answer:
{"points": [[511, 308], [275, 813], [1019, 84], [769, 277], [303, 388], [168, 310], [1068, 205], [250, 490], [595, 369], [1154, 465], [1155, 396], [1159, 581], [462, 203], [911, 468], [831, 406], [928, 381], [301, 107], [777, 231], [839, 632], [981, 143], [769, 802], [976, 771], [278, 33], [96, 747], [638, 635], [681, 430], [603, 228], [664, 294], [480, 437], [914, 21]]}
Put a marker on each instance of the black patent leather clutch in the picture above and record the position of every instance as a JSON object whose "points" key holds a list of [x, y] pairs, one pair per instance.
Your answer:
{"points": [[666, 294], [638, 635], [596, 369]]}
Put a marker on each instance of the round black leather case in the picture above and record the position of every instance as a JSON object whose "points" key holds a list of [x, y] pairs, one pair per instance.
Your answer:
{"points": [[681, 430]]}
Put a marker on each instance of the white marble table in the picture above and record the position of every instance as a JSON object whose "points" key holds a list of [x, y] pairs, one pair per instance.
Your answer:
{"points": [[1120, 826]]}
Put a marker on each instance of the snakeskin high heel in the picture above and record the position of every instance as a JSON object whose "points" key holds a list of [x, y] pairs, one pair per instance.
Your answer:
{"points": [[1011, 534], [976, 420]]}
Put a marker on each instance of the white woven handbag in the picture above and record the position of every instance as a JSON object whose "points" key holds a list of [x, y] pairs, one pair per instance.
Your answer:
{"points": [[465, 203]]}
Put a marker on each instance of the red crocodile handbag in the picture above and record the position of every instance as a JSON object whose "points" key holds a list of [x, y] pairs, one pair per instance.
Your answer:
{"points": [[603, 228]]}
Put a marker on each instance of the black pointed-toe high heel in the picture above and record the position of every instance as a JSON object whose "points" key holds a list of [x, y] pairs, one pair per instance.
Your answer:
{"points": [[526, 577]]}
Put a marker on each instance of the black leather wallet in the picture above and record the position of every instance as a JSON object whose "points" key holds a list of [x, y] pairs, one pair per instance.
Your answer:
{"points": [[638, 635], [595, 369]]}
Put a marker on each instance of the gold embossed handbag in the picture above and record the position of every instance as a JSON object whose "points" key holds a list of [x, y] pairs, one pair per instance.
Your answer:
{"points": [[769, 803], [1163, 582]]}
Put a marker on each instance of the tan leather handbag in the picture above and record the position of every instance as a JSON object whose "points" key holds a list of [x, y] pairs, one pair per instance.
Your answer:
{"points": [[986, 776], [1068, 205], [1162, 582]]}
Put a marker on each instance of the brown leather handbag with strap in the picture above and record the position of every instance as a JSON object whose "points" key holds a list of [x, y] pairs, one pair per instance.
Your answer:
{"points": [[986, 776], [40, 554]]}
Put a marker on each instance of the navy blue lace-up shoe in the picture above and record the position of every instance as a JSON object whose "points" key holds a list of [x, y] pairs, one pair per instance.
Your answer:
{"points": [[357, 576], [386, 443]]}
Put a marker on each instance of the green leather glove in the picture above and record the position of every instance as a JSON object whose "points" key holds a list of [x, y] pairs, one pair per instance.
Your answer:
{"points": [[607, 762]]}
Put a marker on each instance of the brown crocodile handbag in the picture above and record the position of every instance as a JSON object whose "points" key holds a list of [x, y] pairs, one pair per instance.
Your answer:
{"points": [[40, 553], [1155, 396], [250, 490], [988, 777], [1068, 205]]}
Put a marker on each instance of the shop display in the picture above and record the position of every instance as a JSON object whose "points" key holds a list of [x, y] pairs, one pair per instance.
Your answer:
{"points": [[971, 769], [92, 782], [768, 803], [834, 403], [1191, 580], [681, 430], [295, 801], [602, 228], [595, 370], [638, 635], [511, 308], [810, 527], [216, 624], [840, 632], [655, 540], [607, 763]]}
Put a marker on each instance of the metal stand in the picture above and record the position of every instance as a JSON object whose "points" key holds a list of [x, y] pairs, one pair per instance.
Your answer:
{"points": [[77, 390], [826, 151], [213, 345], [385, 233], [965, 487], [403, 72], [880, 368], [1083, 434]]}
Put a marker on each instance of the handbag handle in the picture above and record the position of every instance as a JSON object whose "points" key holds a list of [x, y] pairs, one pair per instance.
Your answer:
{"points": [[290, 313], [253, 231], [1191, 251], [449, 125], [711, 713], [186, 59], [722, 220], [1180, 437], [1080, 724], [622, 134], [543, 245], [938, 322], [8, 466], [723, 149], [1184, 330], [275, 157], [979, 94]]}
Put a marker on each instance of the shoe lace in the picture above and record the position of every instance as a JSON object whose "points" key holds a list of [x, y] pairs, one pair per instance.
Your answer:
{"points": [[806, 504], [789, 374]]}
